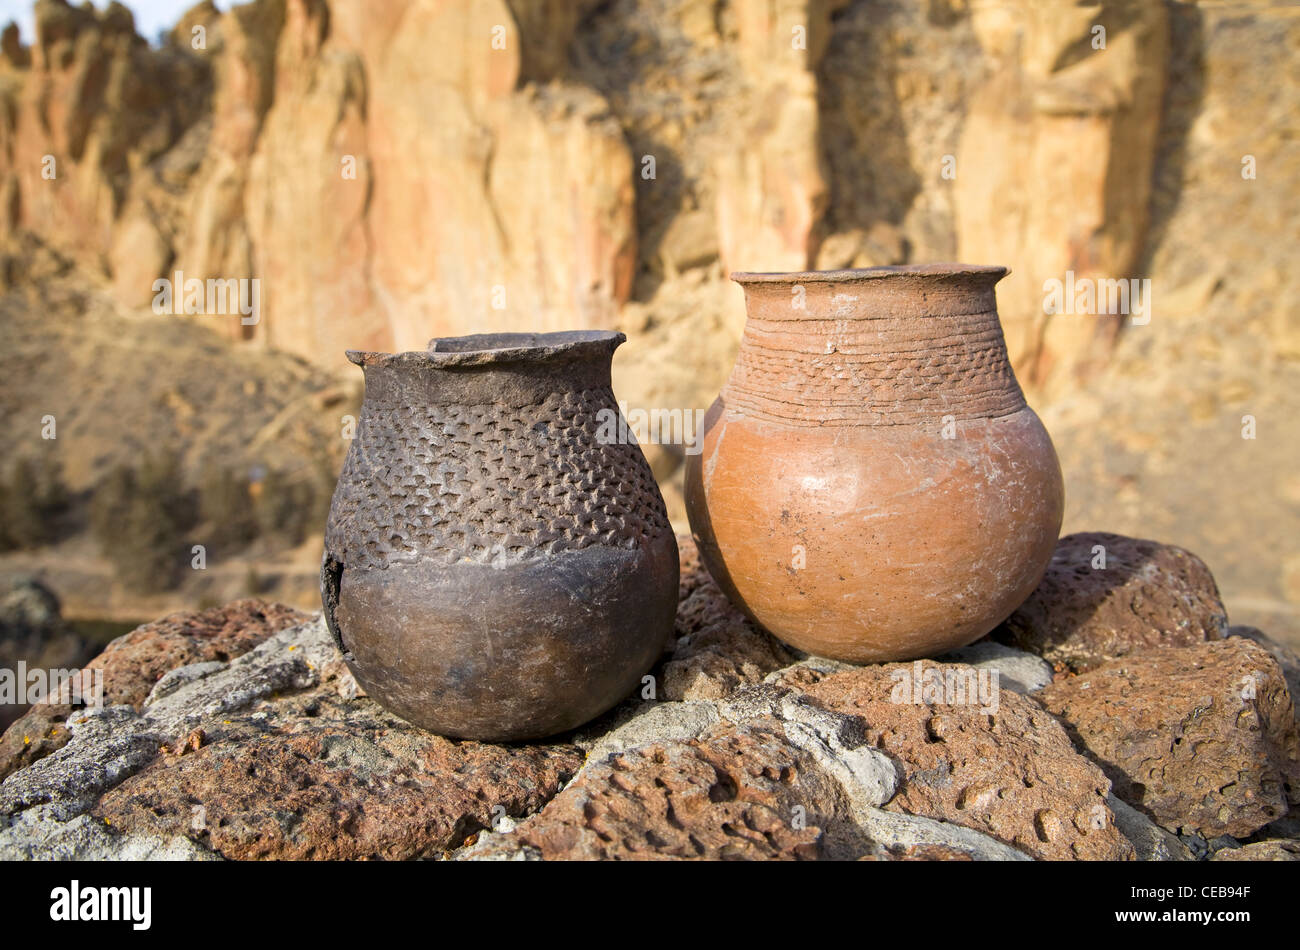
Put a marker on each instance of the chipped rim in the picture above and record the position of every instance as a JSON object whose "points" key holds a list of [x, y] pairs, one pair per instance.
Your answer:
{"points": [[484, 349]]}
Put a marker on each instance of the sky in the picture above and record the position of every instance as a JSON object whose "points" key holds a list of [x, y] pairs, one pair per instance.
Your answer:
{"points": [[150, 15]]}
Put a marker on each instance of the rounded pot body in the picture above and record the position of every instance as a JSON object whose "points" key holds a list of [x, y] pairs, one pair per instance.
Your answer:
{"points": [[497, 566], [872, 485]]}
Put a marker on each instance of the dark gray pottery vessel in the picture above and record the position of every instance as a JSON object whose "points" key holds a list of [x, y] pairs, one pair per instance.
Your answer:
{"points": [[493, 570]]}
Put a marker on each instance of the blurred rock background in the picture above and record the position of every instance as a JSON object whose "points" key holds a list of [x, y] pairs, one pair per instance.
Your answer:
{"points": [[394, 170]]}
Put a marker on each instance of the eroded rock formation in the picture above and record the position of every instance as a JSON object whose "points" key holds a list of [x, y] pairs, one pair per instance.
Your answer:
{"points": [[396, 170]]}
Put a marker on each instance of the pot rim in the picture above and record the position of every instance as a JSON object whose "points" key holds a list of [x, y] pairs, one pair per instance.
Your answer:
{"points": [[483, 349], [844, 275]]}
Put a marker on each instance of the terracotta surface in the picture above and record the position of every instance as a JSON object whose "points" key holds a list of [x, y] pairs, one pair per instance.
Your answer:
{"points": [[493, 569], [872, 485]]}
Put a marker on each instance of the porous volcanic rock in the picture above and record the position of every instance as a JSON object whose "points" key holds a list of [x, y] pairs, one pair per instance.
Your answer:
{"points": [[1276, 849], [269, 755], [1286, 658], [133, 664], [740, 792], [1203, 738], [1147, 595], [1011, 772], [318, 778], [239, 733]]}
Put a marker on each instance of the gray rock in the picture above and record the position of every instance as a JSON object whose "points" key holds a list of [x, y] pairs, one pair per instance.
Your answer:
{"points": [[173, 680], [838, 743], [1196, 845], [816, 664], [889, 829], [487, 848], [29, 611], [108, 745], [32, 631], [654, 722], [1018, 670], [38, 834], [1150, 841]]}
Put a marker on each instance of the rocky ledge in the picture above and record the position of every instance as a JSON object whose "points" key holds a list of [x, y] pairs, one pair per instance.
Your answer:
{"points": [[1116, 716]]}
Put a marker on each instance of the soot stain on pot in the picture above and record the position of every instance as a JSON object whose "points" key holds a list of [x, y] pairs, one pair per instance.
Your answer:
{"points": [[496, 570]]}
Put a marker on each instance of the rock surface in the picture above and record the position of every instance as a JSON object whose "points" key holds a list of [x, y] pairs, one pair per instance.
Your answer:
{"points": [[266, 757], [1041, 106], [1275, 850], [239, 733], [1008, 769], [1150, 841], [779, 137], [732, 794], [1106, 596], [1017, 670], [133, 664], [1287, 659], [1203, 738]]}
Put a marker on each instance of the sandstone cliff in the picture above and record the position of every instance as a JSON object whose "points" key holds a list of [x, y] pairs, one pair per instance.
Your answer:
{"points": [[397, 170]]}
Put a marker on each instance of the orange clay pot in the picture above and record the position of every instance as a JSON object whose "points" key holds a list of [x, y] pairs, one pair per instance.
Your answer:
{"points": [[872, 485]]}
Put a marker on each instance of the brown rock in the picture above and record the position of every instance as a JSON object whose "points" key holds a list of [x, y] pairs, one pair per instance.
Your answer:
{"points": [[316, 777], [1286, 658], [1278, 849], [534, 182], [1202, 738], [1011, 773], [268, 756], [730, 794], [716, 649], [1147, 595], [772, 192], [33, 735], [11, 45], [132, 663], [103, 104]]}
